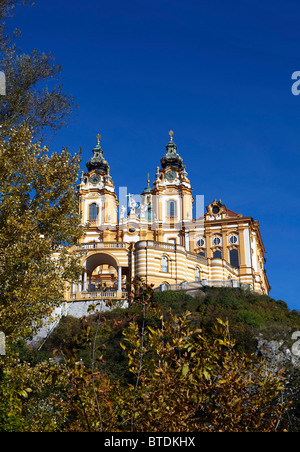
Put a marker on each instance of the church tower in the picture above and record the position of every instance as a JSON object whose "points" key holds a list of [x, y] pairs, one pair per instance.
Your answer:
{"points": [[172, 200], [98, 203]]}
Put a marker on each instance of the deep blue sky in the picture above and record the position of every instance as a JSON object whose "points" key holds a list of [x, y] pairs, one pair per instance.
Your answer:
{"points": [[216, 72]]}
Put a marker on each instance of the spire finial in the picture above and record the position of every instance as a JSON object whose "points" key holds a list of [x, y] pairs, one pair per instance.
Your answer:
{"points": [[98, 138], [148, 180], [171, 133]]}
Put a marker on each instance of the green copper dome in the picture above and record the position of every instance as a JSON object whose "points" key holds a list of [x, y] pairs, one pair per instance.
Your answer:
{"points": [[171, 158], [97, 162], [147, 190]]}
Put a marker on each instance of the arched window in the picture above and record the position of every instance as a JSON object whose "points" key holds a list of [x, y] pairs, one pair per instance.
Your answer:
{"points": [[164, 286], [171, 208], [234, 258], [164, 264], [197, 274], [217, 254], [93, 211]]}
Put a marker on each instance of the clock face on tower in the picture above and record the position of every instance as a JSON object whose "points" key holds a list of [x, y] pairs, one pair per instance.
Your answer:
{"points": [[95, 179], [171, 176]]}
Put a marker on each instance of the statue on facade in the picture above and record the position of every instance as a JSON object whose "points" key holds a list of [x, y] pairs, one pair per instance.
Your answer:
{"points": [[122, 211], [143, 209], [132, 203]]}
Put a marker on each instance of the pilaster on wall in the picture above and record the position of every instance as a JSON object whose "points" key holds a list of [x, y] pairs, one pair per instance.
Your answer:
{"points": [[224, 232], [243, 264]]}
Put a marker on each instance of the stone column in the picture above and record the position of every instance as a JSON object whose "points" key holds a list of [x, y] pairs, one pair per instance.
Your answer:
{"points": [[79, 287], [119, 279], [84, 281]]}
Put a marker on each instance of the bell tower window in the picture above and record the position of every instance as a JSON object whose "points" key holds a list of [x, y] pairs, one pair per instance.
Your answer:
{"points": [[93, 211], [171, 209]]}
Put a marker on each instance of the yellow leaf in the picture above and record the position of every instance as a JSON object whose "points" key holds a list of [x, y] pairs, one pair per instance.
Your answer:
{"points": [[151, 330], [206, 374]]}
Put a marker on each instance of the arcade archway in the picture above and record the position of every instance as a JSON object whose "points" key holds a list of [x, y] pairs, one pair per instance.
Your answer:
{"points": [[101, 273]]}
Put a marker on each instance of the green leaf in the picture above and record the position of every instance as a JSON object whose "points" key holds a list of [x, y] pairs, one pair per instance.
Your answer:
{"points": [[185, 369]]}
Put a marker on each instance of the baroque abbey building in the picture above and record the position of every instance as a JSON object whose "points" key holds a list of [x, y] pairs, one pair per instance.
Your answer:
{"points": [[157, 237]]}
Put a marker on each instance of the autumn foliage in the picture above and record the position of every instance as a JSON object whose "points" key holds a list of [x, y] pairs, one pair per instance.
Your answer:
{"points": [[183, 381]]}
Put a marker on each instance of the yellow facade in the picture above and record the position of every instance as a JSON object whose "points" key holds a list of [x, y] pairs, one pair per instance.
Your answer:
{"points": [[160, 237]]}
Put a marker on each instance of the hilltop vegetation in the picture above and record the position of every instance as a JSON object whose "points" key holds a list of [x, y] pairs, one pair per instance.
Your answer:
{"points": [[247, 313], [170, 362]]}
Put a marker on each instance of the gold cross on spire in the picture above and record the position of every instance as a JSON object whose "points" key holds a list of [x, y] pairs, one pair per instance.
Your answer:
{"points": [[98, 138], [171, 133]]}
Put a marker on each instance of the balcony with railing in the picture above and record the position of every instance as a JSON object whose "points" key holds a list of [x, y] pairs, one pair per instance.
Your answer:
{"points": [[170, 247], [197, 285], [94, 293], [101, 245]]}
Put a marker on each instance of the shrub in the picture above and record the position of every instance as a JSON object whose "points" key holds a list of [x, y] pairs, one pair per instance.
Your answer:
{"points": [[250, 318]]}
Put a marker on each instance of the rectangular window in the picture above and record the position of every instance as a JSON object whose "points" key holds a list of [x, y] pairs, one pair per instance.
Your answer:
{"points": [[217, 254], [234, 258]]}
